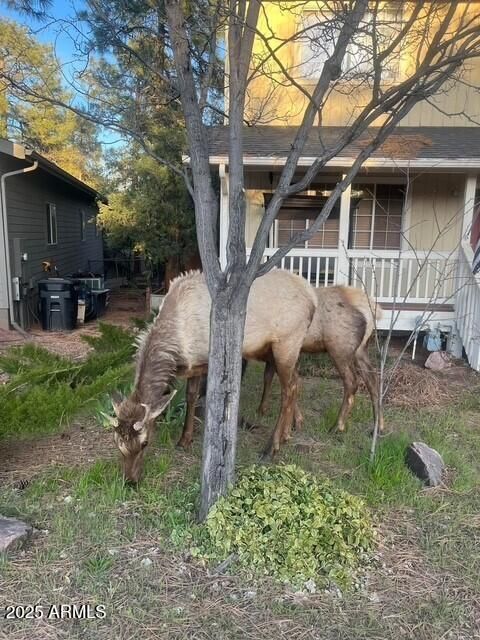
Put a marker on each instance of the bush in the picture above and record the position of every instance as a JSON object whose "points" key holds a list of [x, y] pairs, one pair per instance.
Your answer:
{"points": [[283, 522], [46, 390]]}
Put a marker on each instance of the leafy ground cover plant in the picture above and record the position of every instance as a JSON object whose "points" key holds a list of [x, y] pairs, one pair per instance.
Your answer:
{"points": [[284, 522]]}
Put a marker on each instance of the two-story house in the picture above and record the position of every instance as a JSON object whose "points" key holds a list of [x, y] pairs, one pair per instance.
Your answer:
{"points": [[402, 231]]}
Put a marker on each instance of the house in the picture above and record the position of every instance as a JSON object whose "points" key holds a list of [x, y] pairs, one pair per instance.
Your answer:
{"points": [[402, 230], [47, 216]]}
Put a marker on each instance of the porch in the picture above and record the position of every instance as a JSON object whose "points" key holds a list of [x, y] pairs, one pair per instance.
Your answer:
{"points": [[410, 285], [406, 247]]}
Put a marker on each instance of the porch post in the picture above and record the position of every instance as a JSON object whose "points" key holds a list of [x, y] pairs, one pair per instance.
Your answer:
{"points": [[343, 266], [224, 218], [468, 205]]}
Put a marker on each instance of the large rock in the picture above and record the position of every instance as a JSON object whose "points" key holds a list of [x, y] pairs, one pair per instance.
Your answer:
{"points": [[438, 360], [13, 533], [426, 463]]}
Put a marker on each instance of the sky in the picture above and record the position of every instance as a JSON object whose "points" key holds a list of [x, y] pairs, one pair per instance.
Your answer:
{"points": [[54, 33], [47, 32]]}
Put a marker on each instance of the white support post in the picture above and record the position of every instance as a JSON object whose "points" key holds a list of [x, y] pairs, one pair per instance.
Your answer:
{"points": [[468, 205], [406, 221], [224, 217], [344, 225]]}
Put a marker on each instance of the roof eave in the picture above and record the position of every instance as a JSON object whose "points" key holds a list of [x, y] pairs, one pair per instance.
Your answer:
{"points": [[345, 162], [54, 169]]}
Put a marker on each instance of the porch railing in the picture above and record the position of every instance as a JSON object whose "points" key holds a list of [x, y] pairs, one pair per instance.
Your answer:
{"points": [[414, 277], [468, 306]]}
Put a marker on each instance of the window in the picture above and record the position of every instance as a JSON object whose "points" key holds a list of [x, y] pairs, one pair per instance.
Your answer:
{"points": [[299, 212], [51, 223], [321, 32], [376, 216], [83, 225]]}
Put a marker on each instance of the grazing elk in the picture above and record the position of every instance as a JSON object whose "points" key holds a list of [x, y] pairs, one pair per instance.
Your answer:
{"points": [[342, 325], [279, 311]]}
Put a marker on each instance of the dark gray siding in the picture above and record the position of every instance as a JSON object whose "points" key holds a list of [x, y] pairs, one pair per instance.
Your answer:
{"points": [[27, 197]]}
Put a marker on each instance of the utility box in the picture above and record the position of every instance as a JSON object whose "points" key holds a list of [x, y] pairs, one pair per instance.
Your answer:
{"points": [[58, 304]]}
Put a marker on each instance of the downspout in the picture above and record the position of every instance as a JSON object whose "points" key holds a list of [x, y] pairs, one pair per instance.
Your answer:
{"points": [[3, 196]]}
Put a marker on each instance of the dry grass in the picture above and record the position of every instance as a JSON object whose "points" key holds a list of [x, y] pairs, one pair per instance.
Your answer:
{"points": [[412, 387]]}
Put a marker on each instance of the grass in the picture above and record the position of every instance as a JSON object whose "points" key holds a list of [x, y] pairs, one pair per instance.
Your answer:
{"points": [[102, 542]]}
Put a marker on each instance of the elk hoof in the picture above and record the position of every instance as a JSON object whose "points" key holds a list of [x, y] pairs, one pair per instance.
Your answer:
{"points": [[184, 444]]}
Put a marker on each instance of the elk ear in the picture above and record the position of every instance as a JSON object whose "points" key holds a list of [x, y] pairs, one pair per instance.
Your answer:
{"points": [[117, 400], [164, 404], [165, 401]]}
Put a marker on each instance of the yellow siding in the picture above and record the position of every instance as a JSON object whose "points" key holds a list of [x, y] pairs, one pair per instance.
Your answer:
{"points": [[270, 102], [436, 212]]}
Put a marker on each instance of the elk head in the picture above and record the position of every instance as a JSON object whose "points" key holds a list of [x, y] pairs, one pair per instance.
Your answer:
{"points": [[133, 429]]}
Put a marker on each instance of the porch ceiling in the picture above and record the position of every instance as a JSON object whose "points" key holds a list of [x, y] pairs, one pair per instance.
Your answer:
{"points": [[439, 147]]}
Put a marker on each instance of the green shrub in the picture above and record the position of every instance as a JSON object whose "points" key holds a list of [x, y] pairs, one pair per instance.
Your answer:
{"points": [[46, 390], [283, 522], [111, 338]]}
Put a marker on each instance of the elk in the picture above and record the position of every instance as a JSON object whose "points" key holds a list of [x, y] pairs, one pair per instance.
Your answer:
{"points": [[342, 326], [280, 309]]}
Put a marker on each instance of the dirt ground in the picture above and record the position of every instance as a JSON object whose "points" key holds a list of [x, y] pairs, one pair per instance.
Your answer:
{"points": [[124, 305], [80, 444]]}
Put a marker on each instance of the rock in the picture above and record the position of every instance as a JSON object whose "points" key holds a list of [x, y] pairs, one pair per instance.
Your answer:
{"points": [[13, 533], [425, 463], [438, 360]]}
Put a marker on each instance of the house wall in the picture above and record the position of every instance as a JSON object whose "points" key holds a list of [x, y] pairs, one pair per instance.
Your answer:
{"points": [[436, 214], [27, 196], [273, 101], [433, 220]]}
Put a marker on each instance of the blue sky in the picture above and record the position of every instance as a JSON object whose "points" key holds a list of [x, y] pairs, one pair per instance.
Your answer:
{"points": [[53, 32], [47, 32]]}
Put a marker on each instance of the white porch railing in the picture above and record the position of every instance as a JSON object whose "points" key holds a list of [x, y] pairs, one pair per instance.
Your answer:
{"points": [[467, 306], [414, 277], [318, 266], [409, 276]]}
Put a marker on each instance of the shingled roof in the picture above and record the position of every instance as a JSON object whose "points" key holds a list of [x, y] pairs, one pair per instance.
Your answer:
{"points": [[406, 143]]}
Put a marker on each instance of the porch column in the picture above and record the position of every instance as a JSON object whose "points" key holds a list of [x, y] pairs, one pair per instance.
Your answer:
{"points": [[468, 205], [343, 266], [224, 217]]}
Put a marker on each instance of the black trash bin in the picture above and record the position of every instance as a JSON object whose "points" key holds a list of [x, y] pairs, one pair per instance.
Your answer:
{"points": [[58, 304]]}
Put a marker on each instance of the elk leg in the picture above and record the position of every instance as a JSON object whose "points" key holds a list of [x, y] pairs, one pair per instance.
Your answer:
{"points": [[297, 422], [368, 373], [268, 375], [350, 386], [288, 382], [298, 419], [193, 391], [298, 416]]}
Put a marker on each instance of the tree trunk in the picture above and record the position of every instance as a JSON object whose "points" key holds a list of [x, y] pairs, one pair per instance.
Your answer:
{"points": [[227, 323]]}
